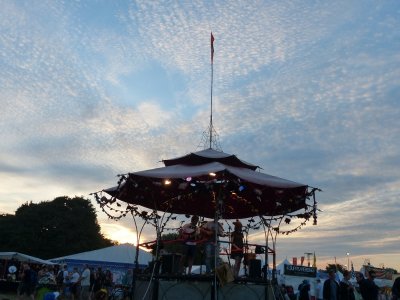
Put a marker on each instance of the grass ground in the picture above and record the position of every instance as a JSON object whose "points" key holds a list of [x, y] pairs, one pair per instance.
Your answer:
{"points": [[8, 296]]}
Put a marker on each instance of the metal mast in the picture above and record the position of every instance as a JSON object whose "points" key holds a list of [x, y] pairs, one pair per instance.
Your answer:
{"points": [[210, 136]]}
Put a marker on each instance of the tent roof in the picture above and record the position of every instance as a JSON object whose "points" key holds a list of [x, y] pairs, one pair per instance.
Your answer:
{"points": [[124, 254], [285, 262], [24, 258], [184, 171], [247, 193], [209, 155]]}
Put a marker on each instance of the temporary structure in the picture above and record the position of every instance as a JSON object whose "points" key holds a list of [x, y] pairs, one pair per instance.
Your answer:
{"points": [[24, 258], [120, 255], [210, 181], [118, 259], [211, 184]]}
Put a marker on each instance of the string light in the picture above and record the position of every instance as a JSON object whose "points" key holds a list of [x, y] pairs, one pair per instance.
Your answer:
{"points": [[107, 204]]}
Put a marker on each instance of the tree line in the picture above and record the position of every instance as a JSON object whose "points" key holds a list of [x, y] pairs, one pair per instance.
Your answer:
{"points": [[52, 229]]}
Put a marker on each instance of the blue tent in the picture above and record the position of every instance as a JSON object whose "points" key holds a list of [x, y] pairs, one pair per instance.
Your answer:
{"points": [[117, 258]]}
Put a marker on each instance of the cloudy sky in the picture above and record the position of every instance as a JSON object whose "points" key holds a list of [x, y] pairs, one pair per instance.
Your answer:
{"points": [[308, 90]]}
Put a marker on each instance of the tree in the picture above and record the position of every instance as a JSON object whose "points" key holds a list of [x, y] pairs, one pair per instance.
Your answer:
{"points": [[171, 247], [177, 247], [336, 267], [52, 229]]}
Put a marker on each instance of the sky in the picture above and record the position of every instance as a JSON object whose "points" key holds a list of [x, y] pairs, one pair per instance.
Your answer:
{"points": [[308, 90]]}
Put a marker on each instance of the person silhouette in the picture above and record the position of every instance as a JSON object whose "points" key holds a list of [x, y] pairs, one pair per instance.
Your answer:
{"points": [[236, 239], [189, 234]]}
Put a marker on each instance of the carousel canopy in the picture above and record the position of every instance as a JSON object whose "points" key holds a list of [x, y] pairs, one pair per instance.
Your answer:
{"points": [[208, 182], [209, 155]]}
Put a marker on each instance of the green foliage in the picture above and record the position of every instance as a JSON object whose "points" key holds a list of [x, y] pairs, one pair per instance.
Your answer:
{"points": [[177, 247], [171, 247], [336, 267], [52, 229]]}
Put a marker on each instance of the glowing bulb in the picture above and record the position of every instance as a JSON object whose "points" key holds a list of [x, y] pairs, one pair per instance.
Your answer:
{"points": [[167, 181], [213, 174]]}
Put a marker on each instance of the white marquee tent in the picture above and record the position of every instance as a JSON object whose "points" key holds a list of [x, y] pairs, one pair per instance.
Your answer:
{"points": [[293, 281], [117, 258], [120, 254], [24, 258]]}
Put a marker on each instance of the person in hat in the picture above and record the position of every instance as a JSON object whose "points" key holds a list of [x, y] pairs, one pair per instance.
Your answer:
{"points": [[331, 287], [188, 233], [372, 290], [362, 285], [236, 239], [346, 288], [304, 290]]}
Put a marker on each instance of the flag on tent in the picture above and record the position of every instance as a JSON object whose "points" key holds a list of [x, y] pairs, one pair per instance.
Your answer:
{"points": [[314, 261], [212, 48], [353, 274]]}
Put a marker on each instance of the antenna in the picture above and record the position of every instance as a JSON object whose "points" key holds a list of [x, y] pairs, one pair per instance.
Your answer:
{"points": [[210, 136], [205, 140]]}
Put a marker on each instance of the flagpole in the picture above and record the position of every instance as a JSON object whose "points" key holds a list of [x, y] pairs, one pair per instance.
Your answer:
{"points": [[211, 120], [217, 212], [211, 93]]}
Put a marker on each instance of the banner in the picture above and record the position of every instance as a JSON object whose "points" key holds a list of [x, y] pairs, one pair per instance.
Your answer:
{"points": [[379, 273], [300, 271]]}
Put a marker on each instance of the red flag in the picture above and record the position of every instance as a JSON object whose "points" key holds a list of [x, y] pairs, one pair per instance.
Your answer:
{"points": [[212, 48]]}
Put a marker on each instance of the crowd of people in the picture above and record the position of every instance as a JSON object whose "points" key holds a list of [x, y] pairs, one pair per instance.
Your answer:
{"points": [[83, 283], [345, 289], [28, 276], [91, 283]]}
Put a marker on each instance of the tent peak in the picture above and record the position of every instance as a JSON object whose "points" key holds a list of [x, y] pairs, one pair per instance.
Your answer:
{"points": [[209, 155]]}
